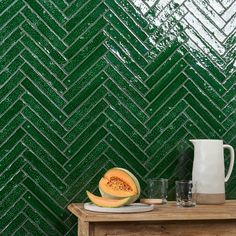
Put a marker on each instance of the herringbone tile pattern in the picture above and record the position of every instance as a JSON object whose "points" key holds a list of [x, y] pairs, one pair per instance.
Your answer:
{"points": [[91, 84]]}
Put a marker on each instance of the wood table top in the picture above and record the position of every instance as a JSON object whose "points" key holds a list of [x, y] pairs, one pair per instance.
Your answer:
{"points": [[167, 212]]}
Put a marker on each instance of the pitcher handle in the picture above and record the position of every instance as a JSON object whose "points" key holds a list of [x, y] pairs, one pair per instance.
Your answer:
{"points": [[231, 150]]}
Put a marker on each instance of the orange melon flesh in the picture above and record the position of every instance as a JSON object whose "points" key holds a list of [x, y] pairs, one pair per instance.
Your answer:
{"points": [[107, 202], [117, 182]]}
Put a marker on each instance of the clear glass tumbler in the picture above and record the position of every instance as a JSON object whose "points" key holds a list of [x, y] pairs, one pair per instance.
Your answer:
{"points": [[157, 190], [184, 195]]}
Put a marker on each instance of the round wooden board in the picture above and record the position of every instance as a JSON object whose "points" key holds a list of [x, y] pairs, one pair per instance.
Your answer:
{"points": [[132, 208]]}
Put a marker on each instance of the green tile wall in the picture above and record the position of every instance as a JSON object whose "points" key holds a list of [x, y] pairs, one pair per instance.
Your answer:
{"points": [[91, 84]]}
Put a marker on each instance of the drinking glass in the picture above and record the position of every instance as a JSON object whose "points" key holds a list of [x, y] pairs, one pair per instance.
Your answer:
{"points": [[184, 196], [157, 190]]}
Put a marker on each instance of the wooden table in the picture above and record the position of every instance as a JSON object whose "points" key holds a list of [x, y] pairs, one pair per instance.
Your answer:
{"points": [[217, 220]]}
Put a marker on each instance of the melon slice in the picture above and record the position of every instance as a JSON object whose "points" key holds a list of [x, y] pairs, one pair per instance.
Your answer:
{"points": [[107, 202], [118, 183]]}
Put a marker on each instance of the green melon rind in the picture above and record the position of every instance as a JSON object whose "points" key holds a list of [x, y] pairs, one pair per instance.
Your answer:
{"points": [[132, 198]]}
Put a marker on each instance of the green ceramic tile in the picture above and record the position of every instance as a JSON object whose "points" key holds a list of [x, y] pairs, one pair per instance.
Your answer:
{"points": [[126, 101], [86, 158], [46, 17], [90, 131], [40, 26], [126, 19], [40, 182], [43, 43], [87, 48], [85, 79], [36, 68], [92, 142], [123, 30], [112, 32], [87, 91], [89, 85], [127, 128], [115, 104], [42, 99], [87, 24], [129, 158], [49, 133], [10, 11], [85, 65], [11, 54], [10, 113], [44, 114], [128, 143], [131, 78], [48, 160], [127, 86], [10, 70], [87, 36], [43, 141], [41, 223], [86, 106], [94, 113], [81, 14]]}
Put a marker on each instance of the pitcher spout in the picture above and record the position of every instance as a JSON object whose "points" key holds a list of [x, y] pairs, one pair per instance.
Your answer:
{"points": [[193, 141]]}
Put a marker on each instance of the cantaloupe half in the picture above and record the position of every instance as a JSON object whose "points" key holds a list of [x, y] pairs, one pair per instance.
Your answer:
{"points": [[107, 202], [118, 183]]}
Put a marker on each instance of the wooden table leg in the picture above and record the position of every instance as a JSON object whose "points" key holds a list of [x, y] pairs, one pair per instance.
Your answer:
{"points": [[83, 228]]}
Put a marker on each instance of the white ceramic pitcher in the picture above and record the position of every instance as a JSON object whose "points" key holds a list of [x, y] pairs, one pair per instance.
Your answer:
{"points": [[208, 174]]}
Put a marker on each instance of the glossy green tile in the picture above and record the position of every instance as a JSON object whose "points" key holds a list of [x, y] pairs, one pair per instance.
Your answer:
{"points": [[90, 131], [42, 224], [164, 68], [129, 158], [86, 158], [44, 44], [10, 113], [41, 154], [46, 17], [94, 113], [86, 106], [85, 65], [44, 100], [44, 114], [88, 24], [162, 57], [126, 19], [127, 128], [82, 40], [44, 142], [87, 91], [125, 141], [131, 78], [87, 48], [116, 105], [11, 156], [123, 30], [11, 54], [124, 100], [36, 68], [89, 85], [128, 86], [10, 11], [81, 14], [166, 134], [112, 32], [40, 182], [9, 71], [85, 79], [40, 26]]}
